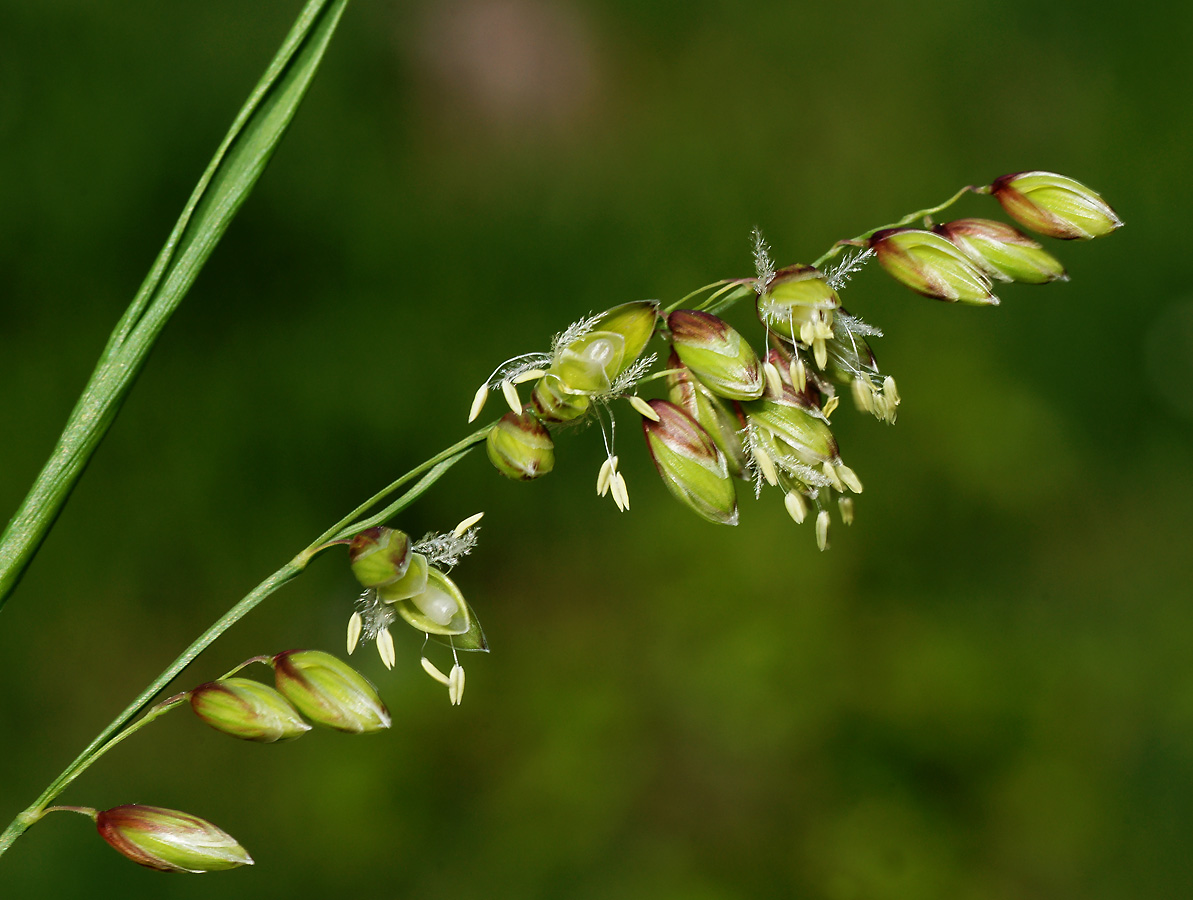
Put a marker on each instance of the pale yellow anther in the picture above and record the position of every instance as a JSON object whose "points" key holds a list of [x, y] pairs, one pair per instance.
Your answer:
{"points": [[511, 397], [621, 494], [892, 392], [850, 479], [385, 647], [644, 408], [807, 333], [607, 469], [528, 375], [830, 405], [796, 507], [459, 530], [478, 402], [355, 624], [822, 529], [846, 505], [431, 669], [766, 466], [773, 379], [455, 684], [799, 375], [820, 351], [883, 408], [862, 394], [830, 472]]}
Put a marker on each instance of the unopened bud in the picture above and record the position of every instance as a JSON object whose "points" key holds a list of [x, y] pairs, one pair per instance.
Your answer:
{"points": [[329, 692], [800, 432], [438, 609], [379, 556], [521, 447], [554, 402], [248, 710], [1054, 205], [930, 265], [169, 840], [722, 419], [1002, 252], [798, 304], [717, 354], [691, 466]]}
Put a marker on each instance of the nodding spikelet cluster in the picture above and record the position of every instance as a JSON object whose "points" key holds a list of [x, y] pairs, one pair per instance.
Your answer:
{"points": [[730, 413], [764, 416]]}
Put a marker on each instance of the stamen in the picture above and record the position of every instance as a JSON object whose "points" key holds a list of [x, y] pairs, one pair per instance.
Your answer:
{"points": [[455, 684], [822, 529], [766, 466], [607, 469], [796, 507], [528, 375], [385, 647], [643, 407], [849, 477], [431, 669], [459, 530], [772, 377], [511, 397], [846, 504], [478, 402]]}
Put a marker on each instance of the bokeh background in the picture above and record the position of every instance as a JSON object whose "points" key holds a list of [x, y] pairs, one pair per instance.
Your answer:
{"points": [[984, 690]]}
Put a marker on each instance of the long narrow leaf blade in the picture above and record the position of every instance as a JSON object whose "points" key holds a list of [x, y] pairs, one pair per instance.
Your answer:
{"points": [[223, 188]]}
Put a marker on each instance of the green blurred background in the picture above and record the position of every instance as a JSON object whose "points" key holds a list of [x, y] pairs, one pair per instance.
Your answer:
{"points": [[983, 690]]}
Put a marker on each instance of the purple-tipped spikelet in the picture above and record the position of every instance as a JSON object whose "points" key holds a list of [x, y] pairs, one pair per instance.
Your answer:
{"points": [[931, 266], [1055, 205], [716, 354], [721, 418], [520, 447], [379, 556], [168, 840], [248, 710], [1002, 252], [690, 464], [330, 692]]}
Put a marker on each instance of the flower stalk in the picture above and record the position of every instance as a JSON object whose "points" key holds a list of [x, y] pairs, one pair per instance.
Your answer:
{"points": [[127, 723]]}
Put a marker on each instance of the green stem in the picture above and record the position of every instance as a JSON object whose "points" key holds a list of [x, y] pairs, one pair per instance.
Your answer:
{"points": [[731, 290], [908, 219], [219, 194], [696, 293], [124, 725]]}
